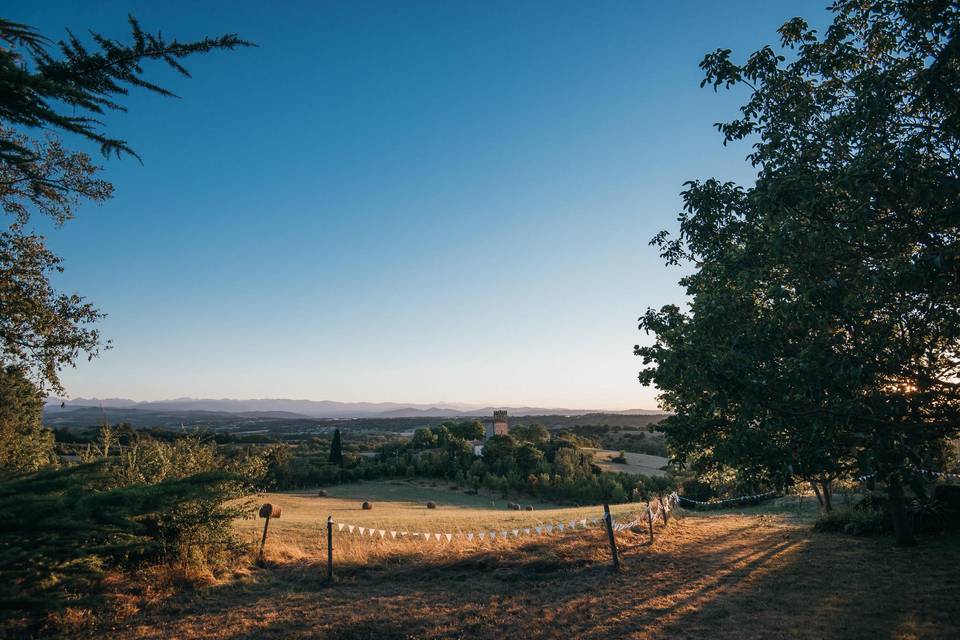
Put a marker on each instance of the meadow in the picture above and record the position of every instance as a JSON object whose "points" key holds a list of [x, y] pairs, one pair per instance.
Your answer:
{"points": [[300, 532], [754, 572]]}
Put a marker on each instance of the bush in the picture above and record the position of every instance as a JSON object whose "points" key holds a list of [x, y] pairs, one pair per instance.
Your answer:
{"points": [[63, 528], [855, 521]]}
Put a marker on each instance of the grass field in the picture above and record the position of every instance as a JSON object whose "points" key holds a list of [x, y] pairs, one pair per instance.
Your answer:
{"points": [[758, 572], [640, 463], [402, 505]]}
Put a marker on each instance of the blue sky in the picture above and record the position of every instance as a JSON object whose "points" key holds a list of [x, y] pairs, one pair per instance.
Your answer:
{"points": [[401, 201]]}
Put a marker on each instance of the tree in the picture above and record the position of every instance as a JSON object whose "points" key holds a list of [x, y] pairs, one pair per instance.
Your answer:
{"points": [[467, 429], [528, 459], [24, 444], [823, 335], [42, 330], [498, 453], [336, 449], [535, 433], [424, 438]]}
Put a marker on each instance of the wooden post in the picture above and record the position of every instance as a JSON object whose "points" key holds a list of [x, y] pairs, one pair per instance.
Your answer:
{"points": [[663, 510], [650, 521], [608, 519], [263, 540], [329, 548]]}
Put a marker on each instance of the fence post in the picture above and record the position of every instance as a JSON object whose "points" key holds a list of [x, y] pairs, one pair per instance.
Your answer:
{"points": [[329, 548], [663, 510], [650, 521], [608, 519]]}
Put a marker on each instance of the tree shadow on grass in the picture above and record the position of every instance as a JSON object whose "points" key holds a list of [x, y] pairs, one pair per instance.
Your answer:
{"points": [[700, 578]]}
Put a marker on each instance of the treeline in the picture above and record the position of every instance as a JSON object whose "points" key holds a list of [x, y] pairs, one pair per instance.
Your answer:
{"points": [[529, 461]]}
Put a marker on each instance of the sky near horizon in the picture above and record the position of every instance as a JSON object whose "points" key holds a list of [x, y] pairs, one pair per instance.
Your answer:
{"points": [[401, 201]]}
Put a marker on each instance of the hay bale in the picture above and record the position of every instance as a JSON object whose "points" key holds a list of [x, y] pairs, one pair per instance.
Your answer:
{"points": [[367, 506], [529, 507], [321, 493], [514, 506], [431, 505]]}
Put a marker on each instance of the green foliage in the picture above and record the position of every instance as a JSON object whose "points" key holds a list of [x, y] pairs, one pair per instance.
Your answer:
{"points": [[823, 334], [70, 91], [24, 444], [854, 521], [62, 528]]}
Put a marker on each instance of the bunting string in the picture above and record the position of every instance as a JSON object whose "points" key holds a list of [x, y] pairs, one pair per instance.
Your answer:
{"points": [[728, 500], [540, 530]]}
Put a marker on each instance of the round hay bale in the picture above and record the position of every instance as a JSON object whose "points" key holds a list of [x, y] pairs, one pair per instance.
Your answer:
{"points": [[322, 493], [367, 506], [514, 506], [431, 505], [529, 507]]}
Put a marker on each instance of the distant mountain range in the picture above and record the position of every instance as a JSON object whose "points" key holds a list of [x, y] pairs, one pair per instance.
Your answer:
{"points": [[324, 409]]}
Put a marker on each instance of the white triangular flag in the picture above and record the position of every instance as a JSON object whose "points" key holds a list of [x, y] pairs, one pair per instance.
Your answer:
{"points": [[449, 536], [426, 536], [350, 528], [573, 524], [382, 533], [437, 536], [393, 534], [403, 533], [560, 527], [526, 532], [469, 536], [516, 532], [549, 528], [583, 523], [481, 535], [340, 526], [362, 530], [493, 535], [538, 530]]}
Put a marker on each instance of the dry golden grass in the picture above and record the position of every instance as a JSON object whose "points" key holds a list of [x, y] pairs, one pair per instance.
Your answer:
{"points": [[399, 506], [712, 575], [641, 463]]}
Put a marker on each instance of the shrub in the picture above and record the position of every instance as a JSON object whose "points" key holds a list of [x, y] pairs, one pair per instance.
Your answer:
{"points": [[854, 521]]}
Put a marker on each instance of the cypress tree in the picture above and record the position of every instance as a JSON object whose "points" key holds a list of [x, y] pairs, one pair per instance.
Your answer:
{"points": [[336, 449]]}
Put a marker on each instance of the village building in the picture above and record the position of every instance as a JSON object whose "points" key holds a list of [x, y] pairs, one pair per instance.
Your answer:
{"points": [[498, 426]]}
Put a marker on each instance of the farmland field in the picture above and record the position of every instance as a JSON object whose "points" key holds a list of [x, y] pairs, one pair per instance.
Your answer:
{"points": [[639, 463], [402, 506], [758, 572]]}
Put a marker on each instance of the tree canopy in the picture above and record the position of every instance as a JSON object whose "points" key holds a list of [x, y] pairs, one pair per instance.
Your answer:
{"points": [[823, 333]]}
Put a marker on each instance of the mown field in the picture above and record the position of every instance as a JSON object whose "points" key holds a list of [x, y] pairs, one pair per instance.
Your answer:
{"points": [[754, 573], [638, 463], [399, 505]]}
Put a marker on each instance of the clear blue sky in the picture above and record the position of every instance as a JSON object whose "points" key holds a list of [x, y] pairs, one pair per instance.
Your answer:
{"points": [[401, 201]]}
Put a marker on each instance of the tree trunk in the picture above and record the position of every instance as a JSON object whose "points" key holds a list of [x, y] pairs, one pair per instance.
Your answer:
{"points": [[902, 522], [816, 490], [827, 496]]}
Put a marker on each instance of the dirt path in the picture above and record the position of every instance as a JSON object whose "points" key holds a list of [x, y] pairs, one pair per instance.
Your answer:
{"points": [[717, 577]]}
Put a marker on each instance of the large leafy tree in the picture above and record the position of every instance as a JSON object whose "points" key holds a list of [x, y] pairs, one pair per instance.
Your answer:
{"points": [[823, 334]]}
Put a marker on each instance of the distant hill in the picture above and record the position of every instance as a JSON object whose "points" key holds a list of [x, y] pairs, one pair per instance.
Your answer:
{"points": [[323, 409], [293, 425]]}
